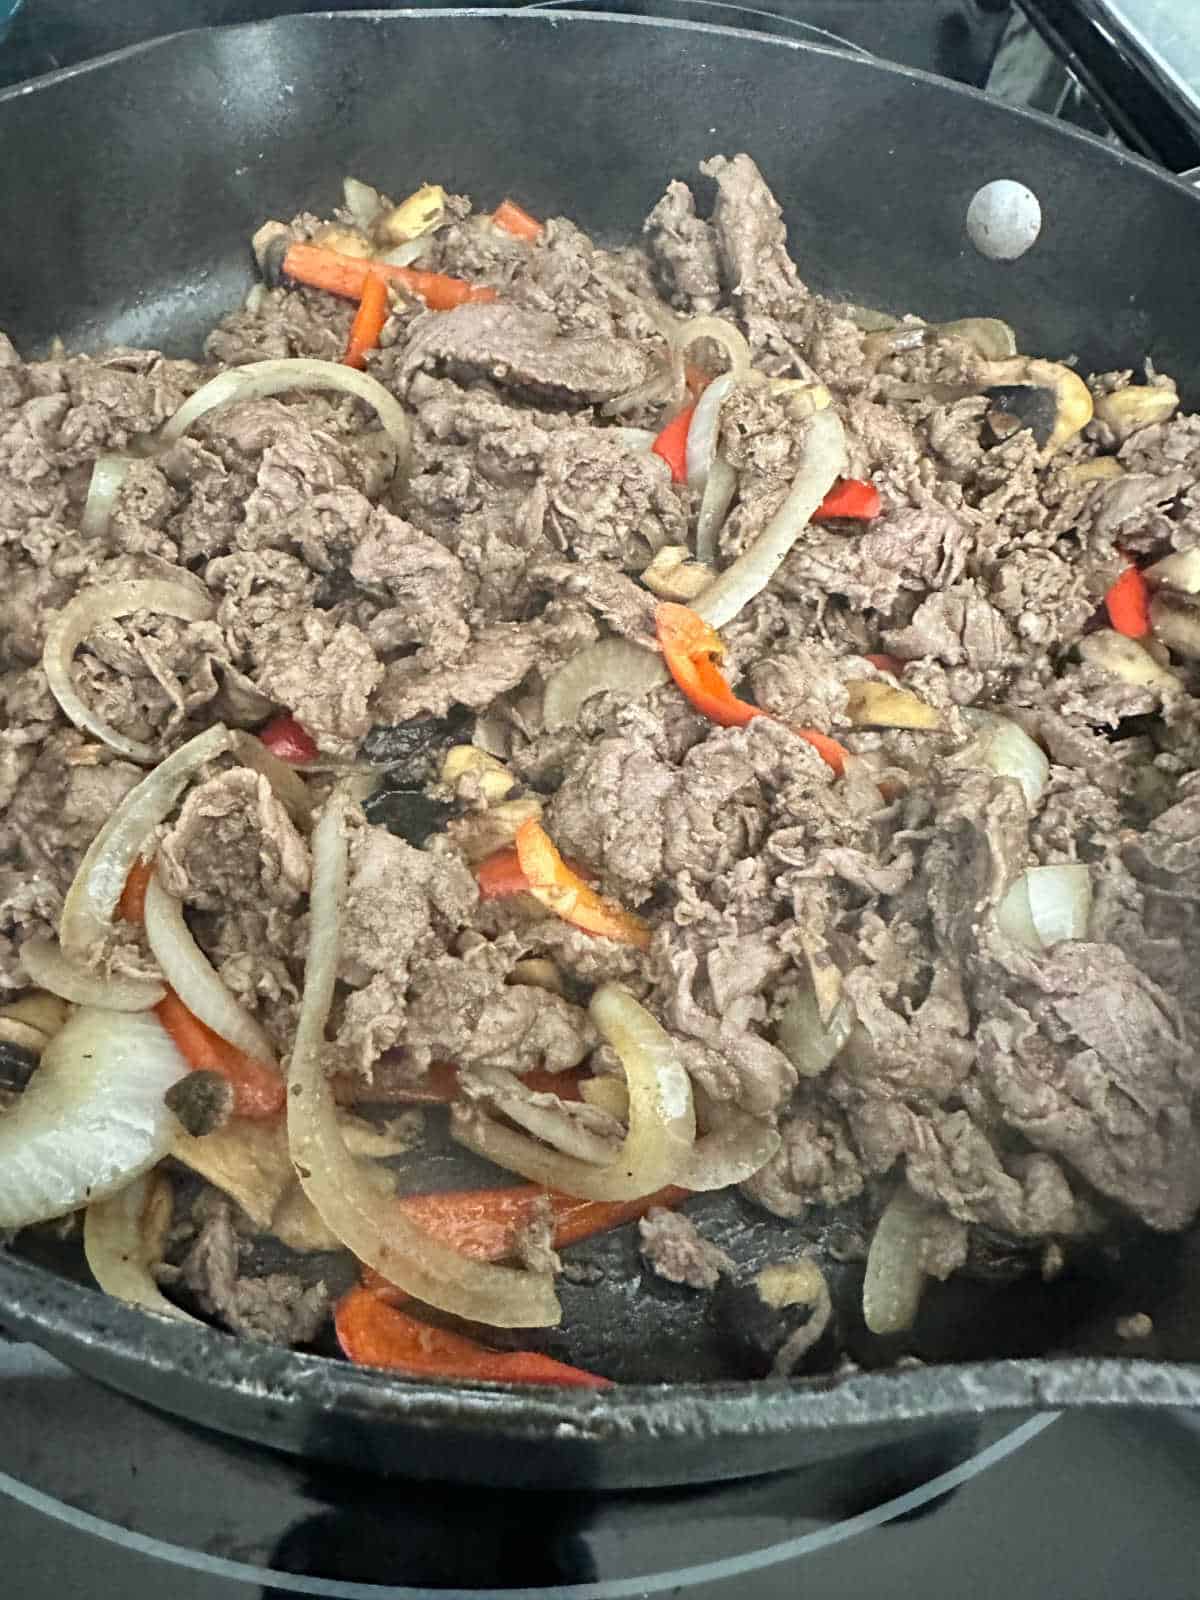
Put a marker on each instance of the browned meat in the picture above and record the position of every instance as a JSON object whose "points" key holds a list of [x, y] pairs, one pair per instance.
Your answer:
{"points": [[277, 1309], [524, 351], [674, 1248], [684, 251]]}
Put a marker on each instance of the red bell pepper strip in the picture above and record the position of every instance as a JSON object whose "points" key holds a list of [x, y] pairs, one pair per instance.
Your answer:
{"points": [[132, 904], [565, 893], [484, 1223], [499, 875], [347, 276], [368, 322], [510, 216], [852, 498], [1128, 604], [258, 1087], [375, 1334], [288, 739], [691, 648], [884, 663], [671, 444]]}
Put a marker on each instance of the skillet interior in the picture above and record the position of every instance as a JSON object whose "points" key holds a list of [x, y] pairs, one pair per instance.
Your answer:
{"points": [[195, 140]]}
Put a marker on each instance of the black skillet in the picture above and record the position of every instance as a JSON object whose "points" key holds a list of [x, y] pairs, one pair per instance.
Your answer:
{"points": [[128, 191]]}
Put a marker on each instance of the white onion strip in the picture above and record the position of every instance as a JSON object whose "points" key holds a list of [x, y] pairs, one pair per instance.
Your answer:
{"points": [[288, 787], [260, 378], [715, 502], [92, 898], [47, 966], [661, 1139], [686, 334], [704, 430], [91, 1120], [1046, 905], [367, 1222], [895, 1272], [119, 1252], [730, 1154], [190, 973], [1003, 747], [186, 598], [609, 664], [108, 475], [823, 462]]}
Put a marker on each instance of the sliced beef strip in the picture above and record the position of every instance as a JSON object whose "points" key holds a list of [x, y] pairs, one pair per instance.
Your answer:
{"points": [[684, 251], [1084, 1056], [674, 1248], [276, 1309], [524, 351]]}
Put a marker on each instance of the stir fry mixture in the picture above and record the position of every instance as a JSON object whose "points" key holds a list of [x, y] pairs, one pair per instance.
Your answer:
{"points": [[675, 730]]}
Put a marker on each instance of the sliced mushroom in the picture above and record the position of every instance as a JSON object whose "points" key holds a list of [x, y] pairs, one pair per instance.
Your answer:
{"points": [[1126, 659], [800, 399], [673, 575], [538, 972], [993, 339], [1179, 571], [874, 704], [1072, 397], [474, 774], [420, 213], [771, 1323], [1176, 623], [1141, 405], [346, 241], [482, 832]]}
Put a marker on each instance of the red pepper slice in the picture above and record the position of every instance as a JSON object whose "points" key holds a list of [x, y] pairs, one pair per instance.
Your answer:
{"points": [[568, 895], [369, 321], [373, 1333], [288, 739], [513, 219], [671, 444], [483, 1223], [1128, 604], [852, 498], [691, 648]]}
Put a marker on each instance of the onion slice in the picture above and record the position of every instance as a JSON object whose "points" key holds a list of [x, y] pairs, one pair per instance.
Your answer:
{"points": [[47, 966], [662, 1118], [121, 1239], [731, 1153], [1046, 905], [288, 787], [259, 378], [715, 502], [1007, 750], [685, 334], [823, 462], [808, 1042], [895, 1275], [367, 1222], [92, 898], [92, 1117], [108, 475], [609, 664], [190, 973], [186, 599], [705, 429]]}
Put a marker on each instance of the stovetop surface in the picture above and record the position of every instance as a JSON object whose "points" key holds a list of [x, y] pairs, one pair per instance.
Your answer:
{"points": [[100, 1496]]}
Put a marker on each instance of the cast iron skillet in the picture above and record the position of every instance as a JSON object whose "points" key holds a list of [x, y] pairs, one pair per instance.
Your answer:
{"points": [[129, 189]]}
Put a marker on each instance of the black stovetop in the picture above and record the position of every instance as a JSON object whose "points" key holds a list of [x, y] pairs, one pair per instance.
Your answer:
{"points": [[100, 1497], [105, 1498]]}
